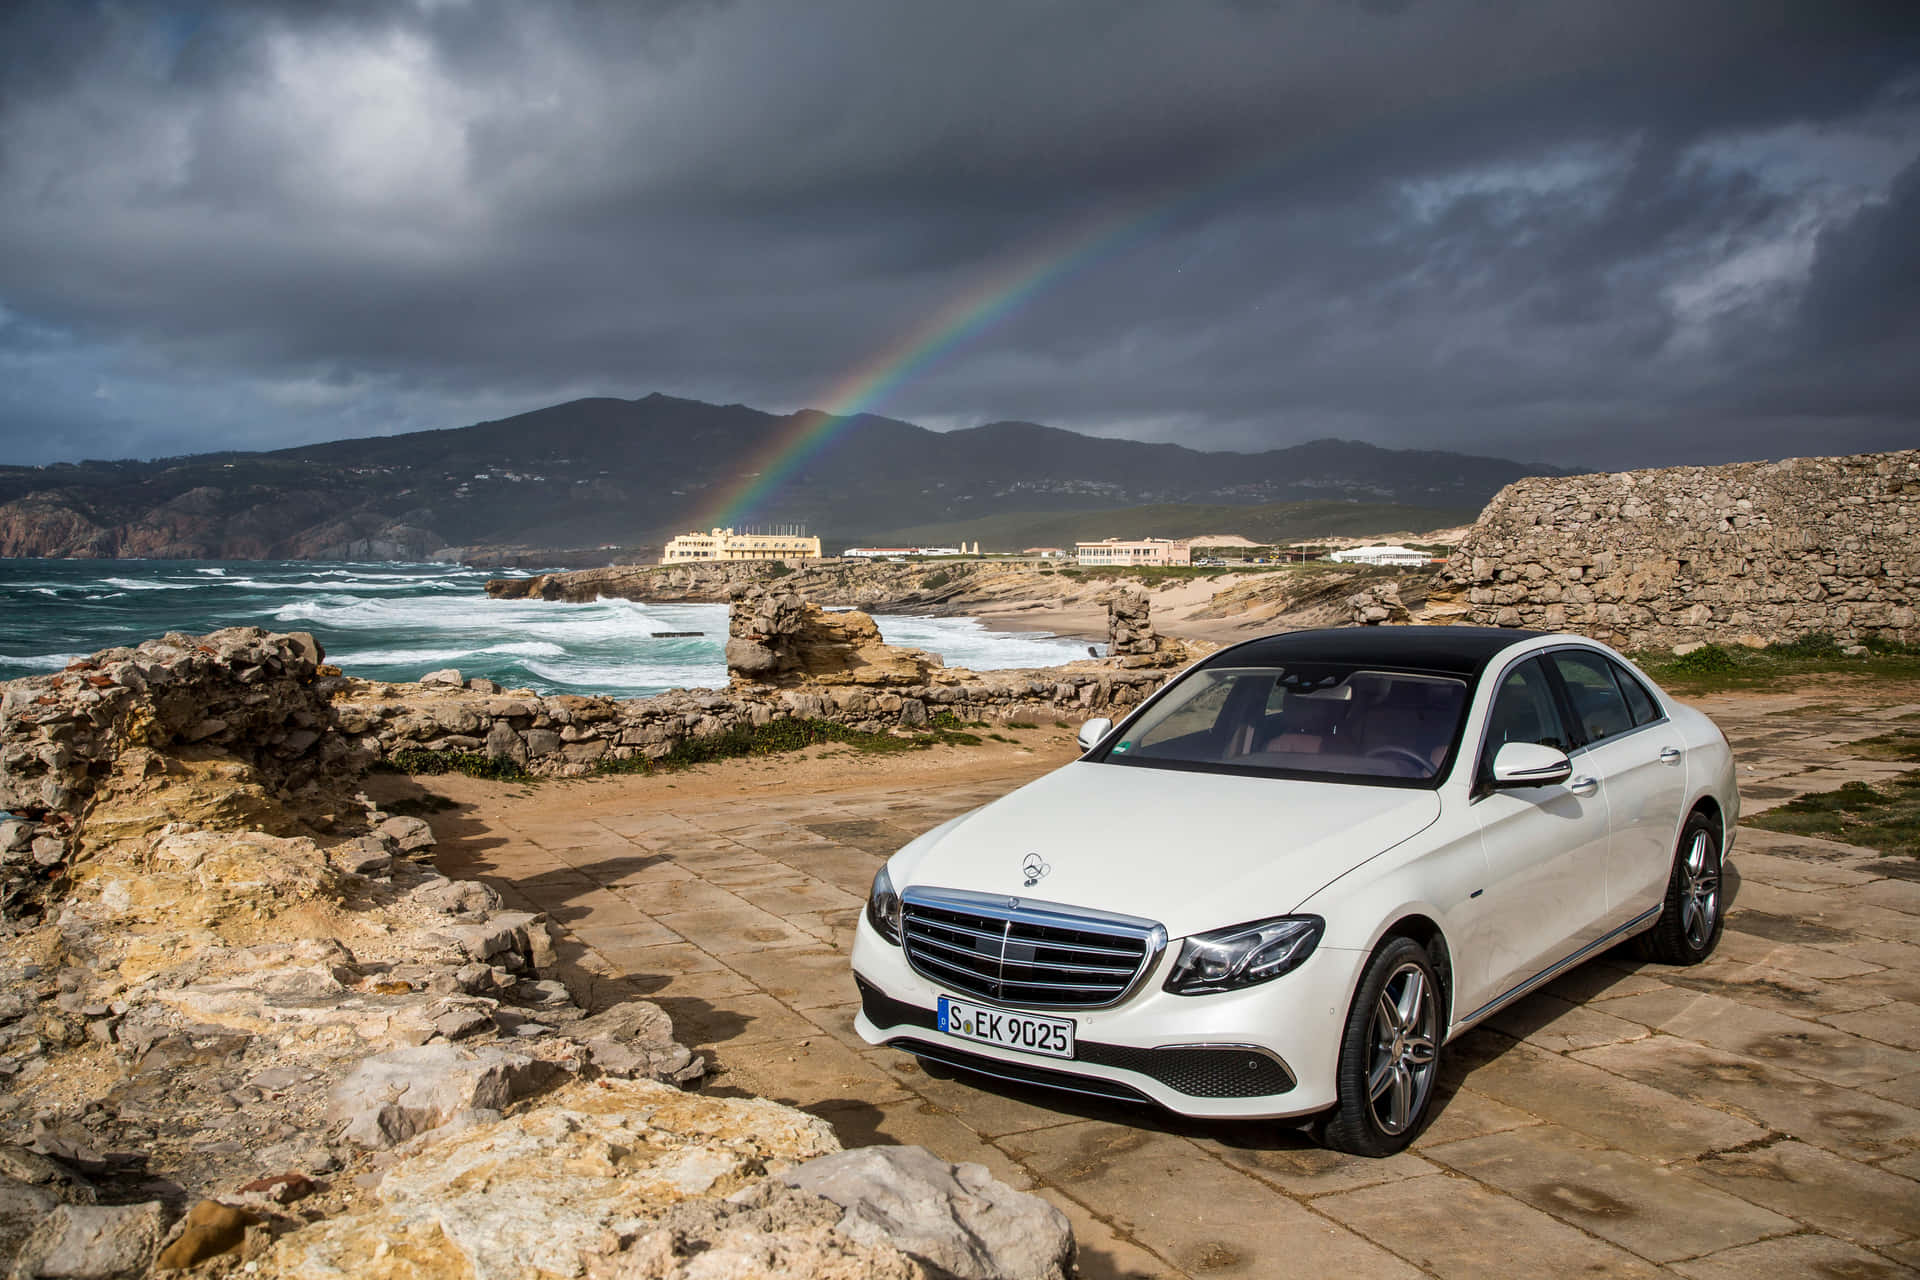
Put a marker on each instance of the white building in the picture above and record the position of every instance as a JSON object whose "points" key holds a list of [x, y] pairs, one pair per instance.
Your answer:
{"points": [[894, 553], [1383, 554]]}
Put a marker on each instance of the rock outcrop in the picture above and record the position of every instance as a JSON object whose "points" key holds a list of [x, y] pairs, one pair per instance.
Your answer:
{"points": [[787, 659], [243, 1023], [231, 727], [776, 638], [1759, 552], [1130, 634], [960, 1218]]}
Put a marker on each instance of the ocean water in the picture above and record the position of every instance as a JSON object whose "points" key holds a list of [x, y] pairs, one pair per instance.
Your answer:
{"points": [[399, 621]]}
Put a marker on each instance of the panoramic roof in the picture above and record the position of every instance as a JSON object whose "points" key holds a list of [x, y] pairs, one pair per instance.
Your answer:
{"points": [[1459, 650]]}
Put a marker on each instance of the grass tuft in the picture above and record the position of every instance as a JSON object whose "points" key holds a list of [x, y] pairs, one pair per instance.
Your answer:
{"points": [[1715, 669], [1886, 818], [414, 760]]}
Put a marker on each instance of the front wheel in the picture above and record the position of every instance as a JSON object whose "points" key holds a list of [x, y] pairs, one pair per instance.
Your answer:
{"points": [[1389, 1054], [1691, 916]]}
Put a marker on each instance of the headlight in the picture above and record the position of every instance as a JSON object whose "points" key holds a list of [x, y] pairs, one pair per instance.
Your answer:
{"points": [[1245, 954], [883, 908]]}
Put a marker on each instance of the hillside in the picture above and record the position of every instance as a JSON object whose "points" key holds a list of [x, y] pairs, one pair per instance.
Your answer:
{"points": [[634, 472]]}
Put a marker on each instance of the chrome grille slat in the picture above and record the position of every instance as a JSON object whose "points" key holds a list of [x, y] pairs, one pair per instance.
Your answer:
{"points": [[1033, 954], [1119, 961], [1123, 972]]}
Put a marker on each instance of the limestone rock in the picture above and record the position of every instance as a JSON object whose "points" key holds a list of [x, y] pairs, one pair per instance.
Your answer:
{"points": [[769, 1229], [635, 1039], [960, 1218], [1130, 623], [23, 1207], [541, 1192], [210, 1229], [96, 1242], [393, 1096], [409, 835], [446, 676], [1378, 604]]}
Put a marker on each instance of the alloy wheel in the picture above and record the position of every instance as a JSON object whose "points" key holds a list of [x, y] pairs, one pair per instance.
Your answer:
{"points": [[1403, 1035], [1699, 891]]}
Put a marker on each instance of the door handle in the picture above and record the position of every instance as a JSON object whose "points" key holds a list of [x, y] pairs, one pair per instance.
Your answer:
{"points": [[1584, 786], [1669, 755]]}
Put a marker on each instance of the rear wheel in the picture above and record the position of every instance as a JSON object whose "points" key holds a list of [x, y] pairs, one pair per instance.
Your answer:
{"points": [[1692, 914], [1389, 1054]]}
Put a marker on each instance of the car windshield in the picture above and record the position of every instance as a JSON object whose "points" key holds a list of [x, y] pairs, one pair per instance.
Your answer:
{"points": [[1309, 720]]}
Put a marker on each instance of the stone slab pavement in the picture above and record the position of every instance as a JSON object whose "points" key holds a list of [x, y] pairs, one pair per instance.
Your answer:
{"points": [[1756, 1116]]}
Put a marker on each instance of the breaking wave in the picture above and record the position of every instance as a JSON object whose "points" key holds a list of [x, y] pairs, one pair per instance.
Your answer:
{"points": [[397, 622]]}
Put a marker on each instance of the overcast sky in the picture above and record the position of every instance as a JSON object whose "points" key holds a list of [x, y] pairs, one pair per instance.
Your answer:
{"points": [[1593, 232]]}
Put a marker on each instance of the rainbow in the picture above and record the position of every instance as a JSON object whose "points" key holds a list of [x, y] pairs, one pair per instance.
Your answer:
{"points": [[951, 326]]}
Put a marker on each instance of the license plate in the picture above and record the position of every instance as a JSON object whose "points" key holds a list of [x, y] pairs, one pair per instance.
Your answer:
{"points": [[1050, 1036]]}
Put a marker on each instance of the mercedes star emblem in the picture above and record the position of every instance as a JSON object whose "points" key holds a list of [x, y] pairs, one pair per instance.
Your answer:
{"points": [[1035, 866]]}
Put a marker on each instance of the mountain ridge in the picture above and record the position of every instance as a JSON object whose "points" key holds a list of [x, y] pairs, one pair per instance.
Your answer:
{"points": [[604, 471]]}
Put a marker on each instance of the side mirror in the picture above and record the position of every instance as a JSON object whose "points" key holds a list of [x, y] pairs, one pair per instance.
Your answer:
{"points": [[1528, 764], [1093, 730]]}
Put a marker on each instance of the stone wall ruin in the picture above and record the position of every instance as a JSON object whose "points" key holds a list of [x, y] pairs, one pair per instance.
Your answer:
{"points": [[1754, 552]]}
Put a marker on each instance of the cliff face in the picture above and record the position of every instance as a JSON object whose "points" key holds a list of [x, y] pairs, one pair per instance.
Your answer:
{"points": [[40, 525], [201, 525], [1758, 552]]}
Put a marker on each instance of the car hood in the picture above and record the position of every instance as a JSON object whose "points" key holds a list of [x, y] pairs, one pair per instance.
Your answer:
{"points": [[1193, 851]]}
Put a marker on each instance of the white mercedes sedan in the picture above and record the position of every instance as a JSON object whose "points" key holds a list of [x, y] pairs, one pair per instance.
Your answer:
{"points": [[1286, 880]]}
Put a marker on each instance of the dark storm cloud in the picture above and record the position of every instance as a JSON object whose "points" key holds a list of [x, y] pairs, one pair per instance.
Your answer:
{"points": [[1614, 234]]}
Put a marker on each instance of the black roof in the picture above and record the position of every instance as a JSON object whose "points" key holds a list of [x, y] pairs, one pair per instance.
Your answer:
{"points": [[1454, 650]]}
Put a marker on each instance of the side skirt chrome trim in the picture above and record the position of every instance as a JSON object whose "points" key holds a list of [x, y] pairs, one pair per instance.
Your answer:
{"points": [[1632, 926]]}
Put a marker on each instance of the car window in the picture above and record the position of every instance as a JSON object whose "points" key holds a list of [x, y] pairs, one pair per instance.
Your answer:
{"points": [[1524, 710], [1306, 720], [1598, 709], [1640, 703]]}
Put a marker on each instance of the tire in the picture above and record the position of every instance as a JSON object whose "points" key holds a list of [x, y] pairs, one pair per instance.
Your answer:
{"points": [[1693, 912], [1389, 1054]]}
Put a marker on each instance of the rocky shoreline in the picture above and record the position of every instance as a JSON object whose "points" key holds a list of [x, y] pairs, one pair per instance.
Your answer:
{"points": [[244, 1025]]}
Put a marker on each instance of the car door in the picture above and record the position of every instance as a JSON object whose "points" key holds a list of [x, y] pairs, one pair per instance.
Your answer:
{"points": [[1624, 742], [1546, 847]]}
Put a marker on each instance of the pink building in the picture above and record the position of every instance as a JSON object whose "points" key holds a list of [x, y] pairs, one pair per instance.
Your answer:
{"points": [[1115, 552]]}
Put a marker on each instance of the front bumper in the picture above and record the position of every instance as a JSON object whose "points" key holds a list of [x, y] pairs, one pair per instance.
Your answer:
{"points": [[1266, 1052]]}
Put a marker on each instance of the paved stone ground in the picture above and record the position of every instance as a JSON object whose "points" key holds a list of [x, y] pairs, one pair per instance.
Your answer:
{"points": [[1758, 1115]]}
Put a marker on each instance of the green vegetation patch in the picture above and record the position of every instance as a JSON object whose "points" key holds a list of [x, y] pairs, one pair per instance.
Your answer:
{"points": [[774, 738], [1167, 572], [1901, 744], [1713, 668], [778, 737], [414, 760], [1886, 818]]}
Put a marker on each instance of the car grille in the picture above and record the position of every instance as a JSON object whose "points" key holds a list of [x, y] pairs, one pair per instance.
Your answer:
{"points": [[1032, 954]]}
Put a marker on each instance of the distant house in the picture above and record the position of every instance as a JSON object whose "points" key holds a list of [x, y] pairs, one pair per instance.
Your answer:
{"points": [[1045, 553], [1115, 552], [1383, 555], [892, 553]]}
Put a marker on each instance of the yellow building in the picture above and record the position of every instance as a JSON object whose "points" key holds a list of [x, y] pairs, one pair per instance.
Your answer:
{"points": [[725, 544]]}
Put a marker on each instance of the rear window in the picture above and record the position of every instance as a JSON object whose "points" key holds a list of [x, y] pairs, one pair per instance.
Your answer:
{"points": [[1640, 703], [1341, 723], [1599, 709]]}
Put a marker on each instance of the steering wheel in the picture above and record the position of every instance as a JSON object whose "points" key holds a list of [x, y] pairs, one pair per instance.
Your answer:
{"points": [[1421, 765]]}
